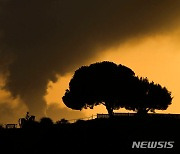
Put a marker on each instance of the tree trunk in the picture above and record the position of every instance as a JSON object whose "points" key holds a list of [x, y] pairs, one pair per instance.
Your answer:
{"points": [[142, 111], [109, 109]]}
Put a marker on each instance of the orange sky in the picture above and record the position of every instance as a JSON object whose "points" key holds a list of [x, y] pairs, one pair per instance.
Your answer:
{"points": [[156, 57]]}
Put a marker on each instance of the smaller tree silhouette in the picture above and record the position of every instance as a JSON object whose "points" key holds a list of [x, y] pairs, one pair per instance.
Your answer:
{"points": [[147, 96], [158, 97]]}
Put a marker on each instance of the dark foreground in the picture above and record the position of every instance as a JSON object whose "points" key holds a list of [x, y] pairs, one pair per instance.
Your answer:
{"points": [[113, 136]]}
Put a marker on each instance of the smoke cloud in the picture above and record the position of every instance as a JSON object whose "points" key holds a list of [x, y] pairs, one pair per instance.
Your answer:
{"points": [[42, 38]]}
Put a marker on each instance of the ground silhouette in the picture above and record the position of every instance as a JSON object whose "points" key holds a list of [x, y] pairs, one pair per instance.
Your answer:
{"points": [[112, 135]]}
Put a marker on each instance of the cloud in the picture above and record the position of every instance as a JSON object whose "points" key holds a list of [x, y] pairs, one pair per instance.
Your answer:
{"points": [[11, 109], [42, 38]]}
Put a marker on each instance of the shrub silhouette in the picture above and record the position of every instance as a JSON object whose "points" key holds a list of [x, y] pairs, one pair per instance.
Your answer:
{"points": [[1, 126], [99, 83], [46, 122], [80, 122], [62, 121]]}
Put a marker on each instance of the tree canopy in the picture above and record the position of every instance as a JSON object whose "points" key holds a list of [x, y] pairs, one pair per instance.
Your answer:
{"points": [[97, 84], [46, 122], [147, 96]]}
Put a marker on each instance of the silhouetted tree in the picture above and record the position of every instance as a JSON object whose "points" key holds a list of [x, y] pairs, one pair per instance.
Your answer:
{"points": [[46, 122], [147, 96], [158, 97], [99, 83]]}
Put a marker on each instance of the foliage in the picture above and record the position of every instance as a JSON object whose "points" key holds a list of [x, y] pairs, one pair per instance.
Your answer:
{"points": [[46, 122], [96, 84], [147, 96]]}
